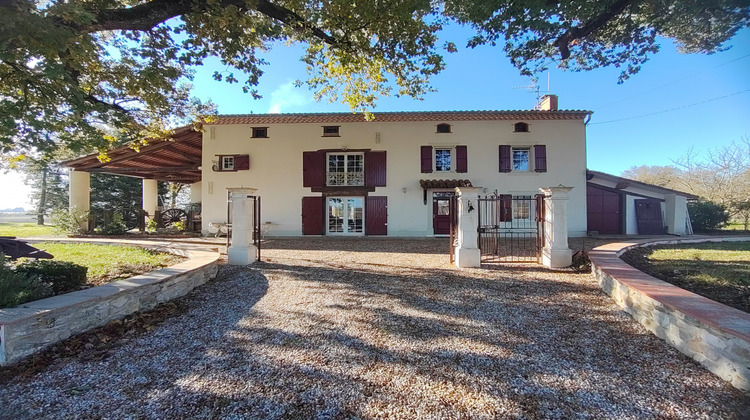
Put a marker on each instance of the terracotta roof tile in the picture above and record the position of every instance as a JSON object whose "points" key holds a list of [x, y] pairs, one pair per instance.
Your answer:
{"points": [[346, 117]]}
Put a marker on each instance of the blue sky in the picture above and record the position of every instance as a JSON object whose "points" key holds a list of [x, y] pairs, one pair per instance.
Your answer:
{"points": [[676, 103]]}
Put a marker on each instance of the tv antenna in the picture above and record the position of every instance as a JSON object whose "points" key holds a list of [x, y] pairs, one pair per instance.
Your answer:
{"points": [[533, 86]]}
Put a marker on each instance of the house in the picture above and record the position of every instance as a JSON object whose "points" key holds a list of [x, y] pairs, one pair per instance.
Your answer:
{"points": [[337, 174]]}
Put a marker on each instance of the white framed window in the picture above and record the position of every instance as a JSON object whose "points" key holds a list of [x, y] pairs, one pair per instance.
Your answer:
{"points": [[523, 207], [521, 159], [345, 169], [227, 163], [443, 159], [346, 216]]}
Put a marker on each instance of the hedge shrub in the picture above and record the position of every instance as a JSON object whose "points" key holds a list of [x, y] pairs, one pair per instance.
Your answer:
{"points": [[63, 276], [17, 288], [707, 216]]}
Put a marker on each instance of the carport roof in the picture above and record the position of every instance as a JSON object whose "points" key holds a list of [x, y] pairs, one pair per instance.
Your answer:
{"points": [[176, 159], [623, 183]]}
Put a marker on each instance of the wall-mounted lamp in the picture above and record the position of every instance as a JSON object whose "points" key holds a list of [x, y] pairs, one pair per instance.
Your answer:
{"points": [[484, 190], [471, 207], [403, 190]]}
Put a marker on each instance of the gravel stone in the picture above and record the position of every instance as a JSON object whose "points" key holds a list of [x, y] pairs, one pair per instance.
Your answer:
{"points": [[365, 328]]}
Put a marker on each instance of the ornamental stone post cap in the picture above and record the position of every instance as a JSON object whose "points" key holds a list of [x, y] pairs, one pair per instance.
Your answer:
{"points": [[468, 190], [242, 190], [560, 189]]}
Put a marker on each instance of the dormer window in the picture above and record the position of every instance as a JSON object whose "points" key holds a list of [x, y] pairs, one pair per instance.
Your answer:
{"points": [[521, 127], [443, 128], [331, 131], [260, 132]]}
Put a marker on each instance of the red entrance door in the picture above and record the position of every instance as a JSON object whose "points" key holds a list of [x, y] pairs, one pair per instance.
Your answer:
{"points": [[441, 213], [603, 210]]}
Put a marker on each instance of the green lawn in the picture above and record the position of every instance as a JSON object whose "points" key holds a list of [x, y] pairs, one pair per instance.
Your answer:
{"points": [[717, 270], [107, 262], [26, 230]]}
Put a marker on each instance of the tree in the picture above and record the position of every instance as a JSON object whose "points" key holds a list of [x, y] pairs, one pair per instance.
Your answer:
{"points": [[722, 177], [49, 186], [583, 35], [88, 71], [663, 176], [115, 192], [173, 194]]}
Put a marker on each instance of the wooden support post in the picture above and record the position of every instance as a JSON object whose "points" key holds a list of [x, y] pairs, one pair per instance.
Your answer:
{"points": [[157, 217], [141, 220]]}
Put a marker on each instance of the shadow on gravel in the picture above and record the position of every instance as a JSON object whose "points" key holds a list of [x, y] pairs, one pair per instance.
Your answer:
{"points": [[436, 342], [334, 341]]}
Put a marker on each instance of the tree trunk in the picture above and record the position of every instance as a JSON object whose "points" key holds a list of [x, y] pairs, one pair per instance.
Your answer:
{"points": [[42, 199]]}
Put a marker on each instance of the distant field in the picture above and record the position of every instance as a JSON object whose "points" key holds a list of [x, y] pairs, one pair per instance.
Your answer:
{"points": [[17, 218]]}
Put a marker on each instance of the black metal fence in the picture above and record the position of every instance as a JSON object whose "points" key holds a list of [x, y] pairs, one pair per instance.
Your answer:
{"points": [[511, 228]]}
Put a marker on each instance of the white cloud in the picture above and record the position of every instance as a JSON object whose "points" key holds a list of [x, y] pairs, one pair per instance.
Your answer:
{"points": [[288, 96]]}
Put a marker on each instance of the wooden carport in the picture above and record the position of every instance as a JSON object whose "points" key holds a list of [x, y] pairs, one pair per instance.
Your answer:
{"points": [[174, 159]]}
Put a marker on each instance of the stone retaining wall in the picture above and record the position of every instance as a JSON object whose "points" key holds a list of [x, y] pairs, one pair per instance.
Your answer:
{"points": [[35, 325], [715, 335]]}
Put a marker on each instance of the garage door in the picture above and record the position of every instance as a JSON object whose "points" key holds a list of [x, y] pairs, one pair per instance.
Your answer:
{"points": [[603, 210]]}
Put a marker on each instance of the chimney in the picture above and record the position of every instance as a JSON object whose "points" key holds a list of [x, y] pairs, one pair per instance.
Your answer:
{"points": [[549, 103]]}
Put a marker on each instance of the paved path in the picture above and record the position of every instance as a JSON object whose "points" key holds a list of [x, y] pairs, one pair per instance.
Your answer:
{"points": [[383, 329]]}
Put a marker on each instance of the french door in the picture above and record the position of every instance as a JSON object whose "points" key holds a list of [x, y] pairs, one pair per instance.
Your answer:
{"points": [[346, 216]]}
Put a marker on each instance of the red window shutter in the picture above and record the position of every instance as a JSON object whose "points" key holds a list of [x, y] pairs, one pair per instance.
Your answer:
{"points": [[312, 216], [375, 169], [241, 162], [426, 153], [540, 158], [505, 158], [376, 216], [505, 207], [313, 169], [462, 164]]}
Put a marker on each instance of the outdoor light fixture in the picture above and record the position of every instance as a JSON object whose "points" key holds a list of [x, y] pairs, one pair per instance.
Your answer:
{"points": [[471, 207], [403, 190]]}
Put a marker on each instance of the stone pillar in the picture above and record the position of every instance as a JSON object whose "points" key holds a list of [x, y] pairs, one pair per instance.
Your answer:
{"points": [[242, 252], [676, 212], [150, 196], [556, 253], [195, 192], [79, 197], [467, 249]]}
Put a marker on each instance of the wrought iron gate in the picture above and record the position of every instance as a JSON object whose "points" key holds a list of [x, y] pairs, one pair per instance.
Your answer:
{"points": [[511, 228]]}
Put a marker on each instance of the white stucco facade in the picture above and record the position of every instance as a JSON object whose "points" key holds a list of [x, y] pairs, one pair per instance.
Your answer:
{"points": [[276, 163]]}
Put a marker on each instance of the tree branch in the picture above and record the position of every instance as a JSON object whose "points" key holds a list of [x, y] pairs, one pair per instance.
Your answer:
{"points": [[145, 16], [581, 31]]}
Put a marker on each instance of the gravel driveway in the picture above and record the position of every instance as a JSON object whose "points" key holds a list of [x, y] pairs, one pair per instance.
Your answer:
{"points": [[383, 329]]}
